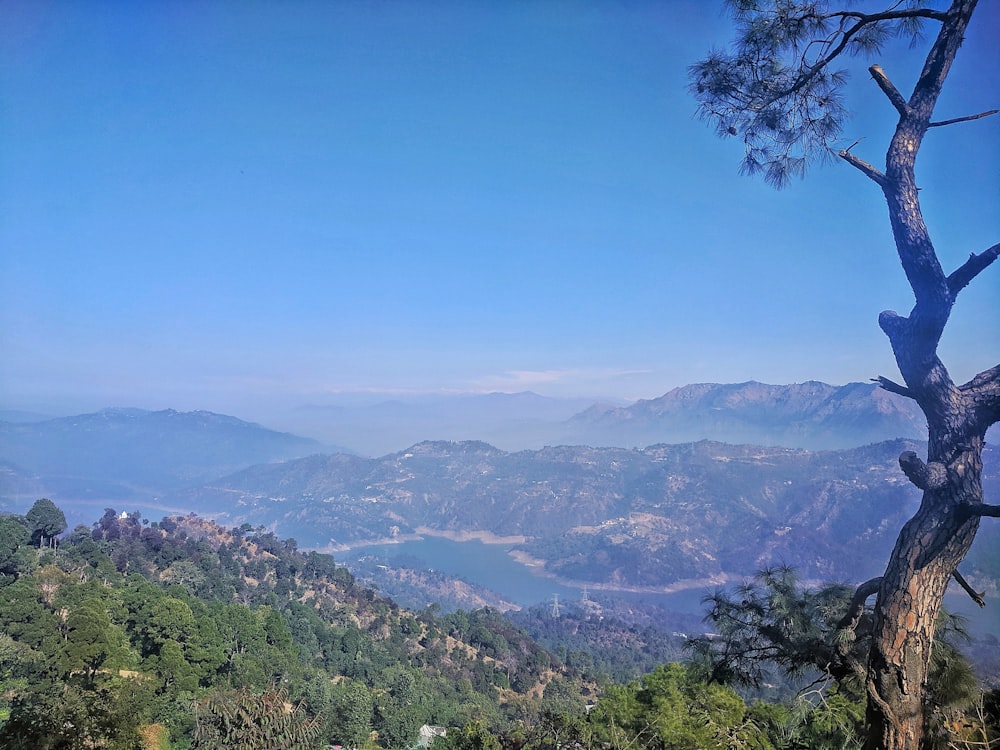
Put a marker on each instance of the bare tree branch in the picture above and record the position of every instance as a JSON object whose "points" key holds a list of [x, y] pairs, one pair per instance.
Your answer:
{"points": [[981, 510], [976, 264], [977, 597], [892, 323], [893, 387], [962, 119], [867, 169], [983, 391], [855, 609], [925, 476], [985, 380], [934, 15], [897, 99]]}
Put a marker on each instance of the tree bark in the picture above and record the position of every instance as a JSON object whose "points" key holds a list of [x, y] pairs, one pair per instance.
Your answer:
{"points": [[928, 551]]}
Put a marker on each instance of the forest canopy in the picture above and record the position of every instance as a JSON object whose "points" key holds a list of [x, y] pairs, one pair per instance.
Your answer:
{"points": [[184, 634]]}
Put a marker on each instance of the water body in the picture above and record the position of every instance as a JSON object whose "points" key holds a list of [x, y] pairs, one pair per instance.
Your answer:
{"points": [[491, 566]]}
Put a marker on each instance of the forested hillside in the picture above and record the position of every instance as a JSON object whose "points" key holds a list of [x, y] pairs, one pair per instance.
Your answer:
{"points": [[182, 634], [132, 629]]}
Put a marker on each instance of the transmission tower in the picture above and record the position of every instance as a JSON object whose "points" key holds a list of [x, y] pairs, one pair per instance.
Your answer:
{"points": [[555, 605]]}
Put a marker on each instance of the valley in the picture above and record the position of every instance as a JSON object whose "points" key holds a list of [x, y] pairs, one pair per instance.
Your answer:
{"points": [[641, 519], [595, 560], [468, 524]]}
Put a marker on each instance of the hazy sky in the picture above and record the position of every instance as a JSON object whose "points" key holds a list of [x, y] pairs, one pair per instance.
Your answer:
{"points": [[212, 205]]}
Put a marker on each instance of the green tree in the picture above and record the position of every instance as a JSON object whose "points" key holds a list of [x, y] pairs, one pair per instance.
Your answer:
{"points": [[57, 716], [240, 631], [175, 672], [773, 623], [473, 736], [818, 720], [92, 643], [779, 91], [18, 663], [46, 522], [396, 718], [157, 618], [562, 697], [354, 709], [555, 730], [672, 709], [13, 536], [26, 619]]}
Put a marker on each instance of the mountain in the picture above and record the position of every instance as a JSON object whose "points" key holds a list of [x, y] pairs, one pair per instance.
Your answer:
{"points": [[117, 454], [512, 420], [659, 518], [810, 415]]}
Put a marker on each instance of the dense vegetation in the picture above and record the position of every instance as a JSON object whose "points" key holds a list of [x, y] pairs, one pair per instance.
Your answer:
{"points": [[183, 634], [609, 641], [131, 629]]}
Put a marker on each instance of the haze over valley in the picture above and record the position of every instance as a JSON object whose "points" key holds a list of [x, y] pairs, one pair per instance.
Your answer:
{"points": [[651, 497]]}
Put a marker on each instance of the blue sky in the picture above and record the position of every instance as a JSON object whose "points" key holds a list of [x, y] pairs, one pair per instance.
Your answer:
{"points": [[222, 205]]}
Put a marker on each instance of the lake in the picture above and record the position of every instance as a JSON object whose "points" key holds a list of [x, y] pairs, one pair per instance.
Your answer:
{"points": [[491, 566]]}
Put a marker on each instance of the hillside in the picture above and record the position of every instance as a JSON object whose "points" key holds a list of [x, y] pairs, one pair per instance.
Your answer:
{"points": [[660, 517], [134, 457], [126, 624]]}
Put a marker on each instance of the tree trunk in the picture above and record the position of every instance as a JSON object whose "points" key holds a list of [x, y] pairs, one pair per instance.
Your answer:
{"points": [[928, 551]]}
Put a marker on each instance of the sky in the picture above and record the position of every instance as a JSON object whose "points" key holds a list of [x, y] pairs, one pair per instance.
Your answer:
{"points": [[238, 205]]}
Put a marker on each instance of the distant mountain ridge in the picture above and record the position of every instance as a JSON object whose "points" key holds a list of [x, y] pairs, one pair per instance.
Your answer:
{"points": [[118, 452], [653, 517], [511, 420], [132, 457], [810, 415]]}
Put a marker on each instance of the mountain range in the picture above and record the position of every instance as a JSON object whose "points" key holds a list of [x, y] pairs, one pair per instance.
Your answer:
{"points": [[677, 496], [801, 415], [804, 415], [660, 518], [128, 454]]}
